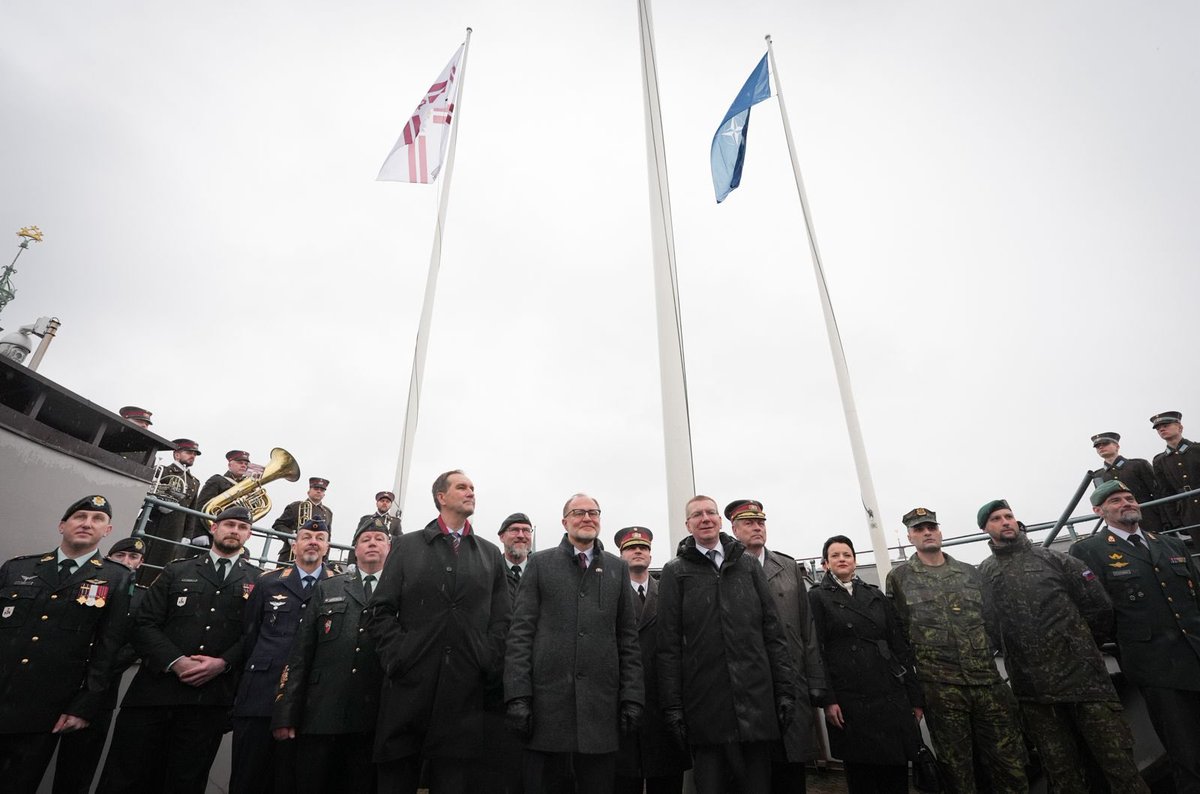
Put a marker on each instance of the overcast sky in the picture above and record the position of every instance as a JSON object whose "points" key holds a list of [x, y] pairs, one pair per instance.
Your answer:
{"points": [[1005, 197]]}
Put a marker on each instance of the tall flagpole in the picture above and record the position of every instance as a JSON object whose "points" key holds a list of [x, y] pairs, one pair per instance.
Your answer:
{"points": [[865, 485], [677, 431], [435, 261]]}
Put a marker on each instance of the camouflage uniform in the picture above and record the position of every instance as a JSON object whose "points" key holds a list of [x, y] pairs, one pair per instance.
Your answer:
{"points": [[968, 707], [1047, 607]]}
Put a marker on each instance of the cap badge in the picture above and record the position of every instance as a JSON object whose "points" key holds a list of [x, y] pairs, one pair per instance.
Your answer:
{"points": [[99, 501]]}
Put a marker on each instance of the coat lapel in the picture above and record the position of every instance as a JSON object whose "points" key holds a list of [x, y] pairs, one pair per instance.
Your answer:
{"points": [[772, 567], [354, 588], [650, 608]]}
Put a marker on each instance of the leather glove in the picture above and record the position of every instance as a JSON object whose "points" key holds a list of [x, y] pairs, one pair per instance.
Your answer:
{"points": [[201, 541], [519, 718], [785, 709], [631, 716], [676, 727]]}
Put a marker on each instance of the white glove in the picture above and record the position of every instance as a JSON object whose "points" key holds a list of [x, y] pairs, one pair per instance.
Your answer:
{"points": [[202, 541]]}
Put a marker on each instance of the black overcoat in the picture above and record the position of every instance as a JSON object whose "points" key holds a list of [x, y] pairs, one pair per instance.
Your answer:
{"points": [[187, 611], [273, 615], [870, 671], [438, 620], [332, 679], [573, 649], [786, 583], [58, 641], [651, 752], [722, 653]]}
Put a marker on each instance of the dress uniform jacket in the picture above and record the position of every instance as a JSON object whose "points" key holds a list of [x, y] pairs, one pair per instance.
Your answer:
{"points": [[332, 679], [1138, 476], [1177, 471], [174, 525], [58, 642], [213, 487], [786, 583], [289, 519], [1048, 608], [189, 611], [273, 614], [386, 522], [870, 673], [1155, 592], [722, 652], [573, 649], [651, 752], [438, 619]]}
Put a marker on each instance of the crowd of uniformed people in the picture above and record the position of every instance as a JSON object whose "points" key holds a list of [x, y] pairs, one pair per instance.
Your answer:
{"points": [[442, 660]]}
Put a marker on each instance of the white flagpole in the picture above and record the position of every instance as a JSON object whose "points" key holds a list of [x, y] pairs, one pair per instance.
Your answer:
{"points": [[435, 261], [677, 431], [865, 485]]}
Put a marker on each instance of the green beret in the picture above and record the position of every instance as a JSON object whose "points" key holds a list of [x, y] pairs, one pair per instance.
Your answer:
{"points": [[1106, 490], [988, 509]]}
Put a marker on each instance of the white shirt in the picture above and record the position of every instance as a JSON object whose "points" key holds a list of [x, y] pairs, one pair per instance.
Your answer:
{"points": [[1123, 535], [720, 560]]}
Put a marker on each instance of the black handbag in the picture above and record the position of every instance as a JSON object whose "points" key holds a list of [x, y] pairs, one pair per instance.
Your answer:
{"points": [[926, 776]]}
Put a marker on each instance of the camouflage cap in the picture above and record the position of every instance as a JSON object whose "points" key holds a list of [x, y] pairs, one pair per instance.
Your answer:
{"points": [[989, 508], [1106, 490], [918, 516]]}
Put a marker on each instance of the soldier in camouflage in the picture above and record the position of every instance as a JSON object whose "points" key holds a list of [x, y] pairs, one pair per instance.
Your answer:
{"points": [[969, 709], [1047, 608]]}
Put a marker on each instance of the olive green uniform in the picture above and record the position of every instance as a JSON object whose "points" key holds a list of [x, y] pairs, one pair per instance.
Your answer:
{"points": [[968, 707]]}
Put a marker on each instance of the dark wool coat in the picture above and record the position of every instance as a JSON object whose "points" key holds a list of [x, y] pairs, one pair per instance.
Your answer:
{"points": [[722, 653], [1175, 472], [786, 583], [273, 615], [58, 642], [438, 620], [332, 679], [573, 649], [187, 611], [651, 752], [870, 671]]}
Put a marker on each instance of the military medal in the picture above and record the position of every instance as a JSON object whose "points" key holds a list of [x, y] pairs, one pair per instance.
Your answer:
{"points": [[328, 624], [247, 589], [92, 593]]}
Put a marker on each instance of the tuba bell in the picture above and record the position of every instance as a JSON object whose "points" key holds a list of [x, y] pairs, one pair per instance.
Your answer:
{"points": [[250, 494]]}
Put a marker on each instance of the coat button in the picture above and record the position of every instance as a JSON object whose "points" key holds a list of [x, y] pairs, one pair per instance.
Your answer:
{"points": [[24, 661], [45, 617], [35, 639], [201, 647], [53, 597]]}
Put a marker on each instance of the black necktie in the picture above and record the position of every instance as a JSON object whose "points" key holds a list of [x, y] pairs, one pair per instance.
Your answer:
{"points": [[1136, 540], [516, 570], [712, 557], [369, 585], [642, 593], [308, 581], [582, 561], [64, 570], [222, 568]]}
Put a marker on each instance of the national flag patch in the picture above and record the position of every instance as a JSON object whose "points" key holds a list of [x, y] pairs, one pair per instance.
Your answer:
{"points": [[1088, 575]]}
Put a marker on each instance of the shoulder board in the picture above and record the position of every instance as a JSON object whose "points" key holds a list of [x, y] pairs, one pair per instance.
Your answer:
{"points": [[39, 557], [273, 574], [140, 587], [866, 584]]}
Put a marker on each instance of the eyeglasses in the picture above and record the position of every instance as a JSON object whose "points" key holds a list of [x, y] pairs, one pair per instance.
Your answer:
{"points": [[580, 513], [703, 513], [521, 530]]}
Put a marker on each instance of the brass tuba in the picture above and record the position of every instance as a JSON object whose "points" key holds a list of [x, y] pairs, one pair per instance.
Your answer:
{"points": [[250, 494]]}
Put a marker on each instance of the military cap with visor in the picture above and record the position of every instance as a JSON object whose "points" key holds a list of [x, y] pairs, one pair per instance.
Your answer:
{"points": [[1166, 418], [633, 536], [391, 497], [1106, 438], [318, 482], [918, 516], [238, 454], [744, 508]]}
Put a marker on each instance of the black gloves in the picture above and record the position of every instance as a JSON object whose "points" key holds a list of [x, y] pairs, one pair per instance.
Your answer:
{"points": [[519, 718], [785, 709], [676, 727], [631, 716]]}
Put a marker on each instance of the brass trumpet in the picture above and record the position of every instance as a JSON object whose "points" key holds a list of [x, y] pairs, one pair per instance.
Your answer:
{"points": [[250, 494]]}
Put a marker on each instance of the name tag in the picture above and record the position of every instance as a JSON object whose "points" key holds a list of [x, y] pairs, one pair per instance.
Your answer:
{"points": [[333, 600], [1118, 574]]}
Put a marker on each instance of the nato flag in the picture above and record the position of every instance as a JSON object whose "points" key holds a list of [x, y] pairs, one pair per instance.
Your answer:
{"points": [[729, 144]]}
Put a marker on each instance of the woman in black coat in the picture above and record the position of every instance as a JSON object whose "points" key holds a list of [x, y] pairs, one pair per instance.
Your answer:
{"points": [[876, 701]]}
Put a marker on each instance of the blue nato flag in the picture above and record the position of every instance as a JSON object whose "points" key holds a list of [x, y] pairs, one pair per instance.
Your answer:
{"points": [[729, 144]]}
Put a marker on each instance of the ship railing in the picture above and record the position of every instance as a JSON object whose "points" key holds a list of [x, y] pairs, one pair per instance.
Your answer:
{"points": [[267, 534]]}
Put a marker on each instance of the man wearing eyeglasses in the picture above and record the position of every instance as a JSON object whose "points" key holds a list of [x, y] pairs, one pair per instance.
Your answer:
{"points": [[727, 682], [573, 670], [516, 535]]}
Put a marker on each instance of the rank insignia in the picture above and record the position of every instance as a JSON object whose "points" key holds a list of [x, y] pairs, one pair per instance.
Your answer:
{"points": [[97, 563], [47, 558], [328, 624], [1118, 565], [26, 579], [1152, 536], [7, 613], [1116, 555], [180, 601], [1111, 539], [92, 593]]}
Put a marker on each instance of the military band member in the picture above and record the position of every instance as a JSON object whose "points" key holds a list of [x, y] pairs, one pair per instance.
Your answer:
{"points": [[287, 520], [138, 416], [801, 743], [380, 519], [328, 697], [1155, 589], [438, 620], [1136, 473], [1047, 609], [969, 709], [189, 634], [79, 752], [173, 525], [62, 621], [279, 601], [516, 536], [725, 674], [1177, 469], [237, 462], [649, 757]]}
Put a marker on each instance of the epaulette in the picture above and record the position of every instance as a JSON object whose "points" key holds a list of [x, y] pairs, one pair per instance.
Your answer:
{"points": [[42, 557]]}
